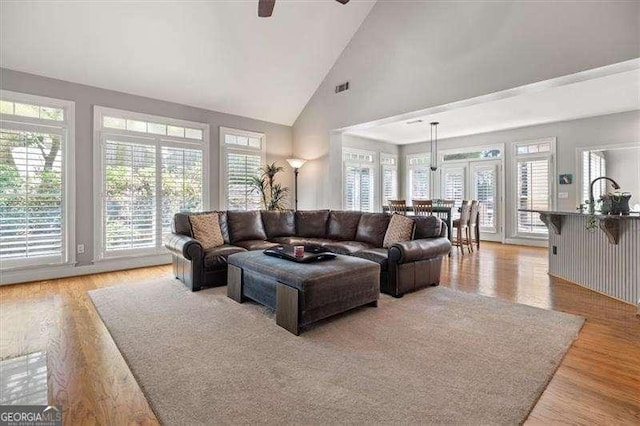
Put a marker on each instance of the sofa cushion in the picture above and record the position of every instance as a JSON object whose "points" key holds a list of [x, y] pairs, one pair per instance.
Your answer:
{"points": [[318, 242], [400, 229], [427, 227], [216, 257], [378, 255], [224, 226], [255, 244], [206, 229], [346, 247], [181, 224], [294, 241], [372, 228], [279, 223], [312, 223], [343, 225], [245, 226]]}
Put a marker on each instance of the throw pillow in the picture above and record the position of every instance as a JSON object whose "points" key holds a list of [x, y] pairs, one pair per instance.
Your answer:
{"points": [[400, 229], [206, 229]]}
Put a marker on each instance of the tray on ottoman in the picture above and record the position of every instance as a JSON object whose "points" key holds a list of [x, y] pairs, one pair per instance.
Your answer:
{"points": [[303, 293]]}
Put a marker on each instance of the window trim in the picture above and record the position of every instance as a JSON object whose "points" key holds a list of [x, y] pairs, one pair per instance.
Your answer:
{"points": [[68, 128], [100, 134], [224, 149], [513, 163]]}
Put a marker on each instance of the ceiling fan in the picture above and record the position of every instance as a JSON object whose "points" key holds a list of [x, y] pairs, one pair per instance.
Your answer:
{"points": [[265, 7]]}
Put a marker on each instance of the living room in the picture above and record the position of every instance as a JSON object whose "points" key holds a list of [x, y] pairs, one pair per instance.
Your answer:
{"points": [[408, 212]]}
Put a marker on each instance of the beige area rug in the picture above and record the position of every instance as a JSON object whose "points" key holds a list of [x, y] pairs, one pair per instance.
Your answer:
{"points": [[435, 356]]}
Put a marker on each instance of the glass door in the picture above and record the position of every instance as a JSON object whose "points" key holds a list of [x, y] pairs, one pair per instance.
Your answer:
{"points": [[484, 185]]}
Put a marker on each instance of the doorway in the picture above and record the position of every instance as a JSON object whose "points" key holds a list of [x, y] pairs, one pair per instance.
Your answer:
{"points": [[476, 174]]}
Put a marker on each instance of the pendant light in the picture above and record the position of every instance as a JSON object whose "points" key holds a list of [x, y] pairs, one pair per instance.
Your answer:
{"points": [[434, 145]]}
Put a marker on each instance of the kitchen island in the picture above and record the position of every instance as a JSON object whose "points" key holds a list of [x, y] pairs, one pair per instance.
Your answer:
{"points": [[600, 252]]}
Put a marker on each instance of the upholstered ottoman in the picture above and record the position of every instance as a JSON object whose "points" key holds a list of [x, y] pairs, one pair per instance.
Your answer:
{"points": [[303, 293]]}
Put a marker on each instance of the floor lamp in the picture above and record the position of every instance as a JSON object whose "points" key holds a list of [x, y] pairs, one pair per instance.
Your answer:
{"points": [[296, 163]]}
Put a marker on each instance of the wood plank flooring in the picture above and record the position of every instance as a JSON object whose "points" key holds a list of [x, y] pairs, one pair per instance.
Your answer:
{"points": [[597, 383]]}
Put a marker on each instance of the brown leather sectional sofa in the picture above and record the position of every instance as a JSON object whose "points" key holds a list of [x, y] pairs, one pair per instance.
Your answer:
{"points": [[405, 267]]}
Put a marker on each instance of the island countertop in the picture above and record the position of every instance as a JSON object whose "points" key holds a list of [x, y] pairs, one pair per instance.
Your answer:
{"points": [[632, 215]]}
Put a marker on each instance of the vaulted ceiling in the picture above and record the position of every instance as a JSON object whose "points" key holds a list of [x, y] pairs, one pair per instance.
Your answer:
{"points": [[213, 54]]}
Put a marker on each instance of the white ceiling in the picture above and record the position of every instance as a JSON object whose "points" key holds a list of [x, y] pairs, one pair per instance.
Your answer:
{"points": [[212, 54], [598, 96]]}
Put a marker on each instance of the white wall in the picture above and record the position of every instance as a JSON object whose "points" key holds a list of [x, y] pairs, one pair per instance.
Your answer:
{"points": [[410, 55], [623, 165], [613, 129]]}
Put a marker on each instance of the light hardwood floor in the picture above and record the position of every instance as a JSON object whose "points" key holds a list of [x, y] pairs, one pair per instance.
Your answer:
{"points": [[597, 383]]}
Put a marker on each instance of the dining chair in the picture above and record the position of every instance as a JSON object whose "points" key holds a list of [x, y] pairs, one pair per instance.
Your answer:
{"points": [[422, 207], [447, 203], [473, 224], [462, 227], [398, 206]]}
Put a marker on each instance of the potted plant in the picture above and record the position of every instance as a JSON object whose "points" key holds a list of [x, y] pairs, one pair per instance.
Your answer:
{"points": [[272, 194], [616, 203]]}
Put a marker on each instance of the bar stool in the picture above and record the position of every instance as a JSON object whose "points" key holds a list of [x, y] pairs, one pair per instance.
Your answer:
{"points": [[462, 227], [398, 206], [473, 224], [422, 207]]}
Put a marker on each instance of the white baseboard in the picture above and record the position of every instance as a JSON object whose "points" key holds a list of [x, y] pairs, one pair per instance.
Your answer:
{"points": [[63, 271], [527, 242]]}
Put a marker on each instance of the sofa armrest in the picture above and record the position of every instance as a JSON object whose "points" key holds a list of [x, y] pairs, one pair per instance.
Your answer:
{"points": [[185, 246], [423, 249]]}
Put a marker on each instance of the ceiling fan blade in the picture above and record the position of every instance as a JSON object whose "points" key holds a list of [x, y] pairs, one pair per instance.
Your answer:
{"points": [[343, 1], [265, 8]]}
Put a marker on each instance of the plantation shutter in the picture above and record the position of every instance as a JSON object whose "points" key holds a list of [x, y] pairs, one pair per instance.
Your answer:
{"points": [[389, 184], [593, 166], [419, 181], [358, 188], [129, 195], [389, 178], [533, 193], [31, 195], [352, 185], [453, 187], [181, 183], [366, 189], [484, 181], [241, 168]]}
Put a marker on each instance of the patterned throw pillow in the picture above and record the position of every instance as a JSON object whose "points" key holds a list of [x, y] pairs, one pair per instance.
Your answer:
{"points": [[206, 229], [400, 229]]}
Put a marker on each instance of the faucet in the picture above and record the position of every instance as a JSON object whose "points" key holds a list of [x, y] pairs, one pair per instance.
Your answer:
{"points": [[592, 202]]}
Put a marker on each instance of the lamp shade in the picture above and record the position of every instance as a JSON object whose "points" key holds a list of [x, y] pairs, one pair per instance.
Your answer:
{"points": [[296, 163]]}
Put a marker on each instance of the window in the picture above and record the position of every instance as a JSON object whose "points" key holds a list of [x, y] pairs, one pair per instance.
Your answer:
{"points": [[389, 172], [486, 154], [36, 181], [358, 178], [242, 157], [419, 177], [146, 174], [453, 186], [533, 169], [594, 165]]}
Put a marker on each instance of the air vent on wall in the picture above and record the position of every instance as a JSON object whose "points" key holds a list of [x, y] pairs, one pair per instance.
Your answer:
{"points": [[415, 121], [342, 87]]}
